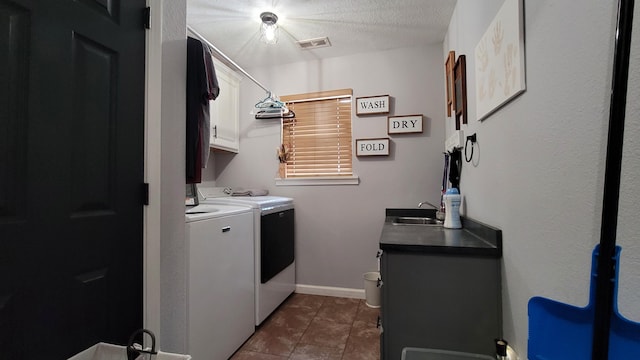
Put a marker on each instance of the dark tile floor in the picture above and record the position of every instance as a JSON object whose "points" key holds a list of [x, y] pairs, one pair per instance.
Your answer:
{"points": [[310, 327]]}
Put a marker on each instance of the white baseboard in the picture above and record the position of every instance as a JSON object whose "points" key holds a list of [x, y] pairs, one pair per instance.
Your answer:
{"points": [[330, 291]]}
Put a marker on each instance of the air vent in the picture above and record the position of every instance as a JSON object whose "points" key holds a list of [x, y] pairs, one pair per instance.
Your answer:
{"points": [[314, 43]]}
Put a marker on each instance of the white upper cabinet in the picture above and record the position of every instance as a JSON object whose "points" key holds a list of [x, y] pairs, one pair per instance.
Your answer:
{"points": [[225, 110]]}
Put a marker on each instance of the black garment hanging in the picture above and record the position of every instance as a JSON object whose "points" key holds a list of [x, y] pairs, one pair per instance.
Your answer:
{"points": [[455, 168], [202, 86], [196, 87], [211, 93]]}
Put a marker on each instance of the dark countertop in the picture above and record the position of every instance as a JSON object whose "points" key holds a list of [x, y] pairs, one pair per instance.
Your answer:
{"points": [[475, 238]]}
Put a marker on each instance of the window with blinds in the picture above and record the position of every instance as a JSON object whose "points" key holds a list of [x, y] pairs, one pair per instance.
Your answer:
{"points": [[319, 136]]}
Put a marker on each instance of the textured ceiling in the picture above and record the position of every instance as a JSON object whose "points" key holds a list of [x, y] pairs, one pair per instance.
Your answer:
{"points": [[353, 26]]}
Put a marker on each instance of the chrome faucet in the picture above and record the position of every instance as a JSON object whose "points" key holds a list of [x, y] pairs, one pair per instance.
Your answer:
{"points": [[428, 203], [439, 210]]}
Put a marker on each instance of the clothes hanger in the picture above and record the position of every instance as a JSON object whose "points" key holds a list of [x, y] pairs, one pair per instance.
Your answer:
{"points": [[275, 114], [270, 102]]}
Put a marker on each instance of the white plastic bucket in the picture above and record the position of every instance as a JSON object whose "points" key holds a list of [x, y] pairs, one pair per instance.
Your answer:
{"points": [[371, 289]]}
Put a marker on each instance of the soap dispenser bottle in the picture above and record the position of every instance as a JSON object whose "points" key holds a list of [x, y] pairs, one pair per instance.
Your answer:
{"points": [[452, 200]]}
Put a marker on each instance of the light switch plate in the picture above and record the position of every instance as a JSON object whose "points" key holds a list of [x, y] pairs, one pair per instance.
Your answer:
{"points": [[456, 140]]}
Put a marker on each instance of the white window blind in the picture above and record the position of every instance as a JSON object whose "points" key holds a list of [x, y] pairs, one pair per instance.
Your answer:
{"points": [[319, 136]]}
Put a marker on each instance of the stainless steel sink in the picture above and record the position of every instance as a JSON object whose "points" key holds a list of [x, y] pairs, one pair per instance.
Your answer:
{"points": [[414, 220]]}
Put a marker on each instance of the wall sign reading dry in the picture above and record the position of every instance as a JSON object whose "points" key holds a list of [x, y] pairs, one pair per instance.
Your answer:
{"points": [[404, 124]]}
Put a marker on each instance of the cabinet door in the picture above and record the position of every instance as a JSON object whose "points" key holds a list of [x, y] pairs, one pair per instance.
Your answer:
{"points": [[441, 302], [224, 110]]}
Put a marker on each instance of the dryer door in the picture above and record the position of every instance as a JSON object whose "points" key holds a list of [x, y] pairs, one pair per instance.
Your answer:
{"points": [[276, 243]]}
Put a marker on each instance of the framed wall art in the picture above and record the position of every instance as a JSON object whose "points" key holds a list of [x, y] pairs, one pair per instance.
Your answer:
{"points": [[372, 105], [499, 59], [448, 70], [372, 147], [405, 124], [460, 82]]}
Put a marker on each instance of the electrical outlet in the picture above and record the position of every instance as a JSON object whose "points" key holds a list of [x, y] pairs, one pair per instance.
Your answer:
{"points": [[456, 140]]}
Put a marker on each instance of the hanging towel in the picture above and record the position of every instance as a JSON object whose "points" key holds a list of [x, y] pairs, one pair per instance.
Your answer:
{"points": [[213, 88], [211, 93], [202, 87], [196, 88]]}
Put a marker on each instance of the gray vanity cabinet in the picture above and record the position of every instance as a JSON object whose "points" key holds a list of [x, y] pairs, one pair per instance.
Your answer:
{"points": [[439, 301]]}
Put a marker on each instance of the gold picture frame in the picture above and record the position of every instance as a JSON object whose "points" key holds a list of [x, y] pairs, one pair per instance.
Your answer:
{"points": [[449, 65]]}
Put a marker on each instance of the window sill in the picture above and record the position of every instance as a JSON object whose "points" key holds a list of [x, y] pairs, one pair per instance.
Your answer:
{"points": [[329, 180]]}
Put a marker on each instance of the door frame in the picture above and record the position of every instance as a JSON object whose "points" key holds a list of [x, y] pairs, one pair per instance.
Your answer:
{"points": [[152, 170]]}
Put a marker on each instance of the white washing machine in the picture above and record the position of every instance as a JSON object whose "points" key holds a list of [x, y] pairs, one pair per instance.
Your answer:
{"points": [[220, 283], [274, 243]]}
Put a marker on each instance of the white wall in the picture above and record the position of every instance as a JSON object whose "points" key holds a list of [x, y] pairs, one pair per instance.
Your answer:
{"points": [[152, 170], [172, 252], [338, 227], [542, 184], [540, 174]]}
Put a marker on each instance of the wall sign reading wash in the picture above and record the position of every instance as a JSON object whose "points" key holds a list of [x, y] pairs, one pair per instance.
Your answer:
{"points": [[372, 147], [372, 105]]}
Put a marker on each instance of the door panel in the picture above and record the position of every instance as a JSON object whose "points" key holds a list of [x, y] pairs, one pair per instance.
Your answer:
{"points": [[14, 75], [107, 8], [71, 151], [93, 156], [14, 29]]}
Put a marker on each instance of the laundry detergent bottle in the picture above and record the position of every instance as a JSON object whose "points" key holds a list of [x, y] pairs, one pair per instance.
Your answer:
{"points": [[452, 199]]}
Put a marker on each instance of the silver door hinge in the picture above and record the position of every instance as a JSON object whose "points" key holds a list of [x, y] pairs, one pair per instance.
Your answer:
{"points": [[145, 194], [146, 15]]}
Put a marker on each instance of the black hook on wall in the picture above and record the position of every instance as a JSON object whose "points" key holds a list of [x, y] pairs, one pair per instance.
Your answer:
{"points": [[473, 140]]}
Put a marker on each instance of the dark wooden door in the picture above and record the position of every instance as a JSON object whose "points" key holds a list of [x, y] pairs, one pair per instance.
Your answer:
{"points": [[71, 169]]}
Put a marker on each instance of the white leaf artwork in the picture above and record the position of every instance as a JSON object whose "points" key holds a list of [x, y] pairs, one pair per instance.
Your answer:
{"points": [[499, 60]]}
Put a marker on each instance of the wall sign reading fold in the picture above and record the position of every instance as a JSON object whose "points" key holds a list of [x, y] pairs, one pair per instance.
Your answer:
{"points": [[372, 147]]}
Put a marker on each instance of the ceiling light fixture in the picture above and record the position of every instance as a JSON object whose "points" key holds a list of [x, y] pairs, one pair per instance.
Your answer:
{"points": [[269, 28]]}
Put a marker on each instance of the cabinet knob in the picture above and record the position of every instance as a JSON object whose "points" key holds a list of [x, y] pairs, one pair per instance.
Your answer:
{"points": [[226, 229], [380, 283], [215, 131]]}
